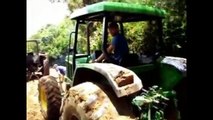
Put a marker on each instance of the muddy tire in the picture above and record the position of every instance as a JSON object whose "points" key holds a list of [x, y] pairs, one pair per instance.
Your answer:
{"points": [[87, 101], [49, 98]]}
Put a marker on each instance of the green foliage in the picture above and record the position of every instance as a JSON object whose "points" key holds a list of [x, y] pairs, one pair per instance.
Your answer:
{"points": [[82, 41], [151, 103], [141, 36], [96, 36], [134, 34], [74, 4], [54, 39], [31, 47], [174, 26]]}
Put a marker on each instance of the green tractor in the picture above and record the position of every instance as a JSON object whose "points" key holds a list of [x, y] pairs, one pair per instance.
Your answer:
{"points": [[35, 62], [104, 91]]}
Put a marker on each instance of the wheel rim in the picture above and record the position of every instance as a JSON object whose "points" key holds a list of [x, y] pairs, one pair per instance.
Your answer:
{"points": [[43, 99]]}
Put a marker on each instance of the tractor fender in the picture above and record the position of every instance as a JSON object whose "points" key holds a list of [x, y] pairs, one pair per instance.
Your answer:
{"points": [[177, 62], [87, 72], [172, 71]]}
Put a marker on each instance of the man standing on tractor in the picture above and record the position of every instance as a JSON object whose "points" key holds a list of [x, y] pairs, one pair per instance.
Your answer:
{"points": [[119, 45]]}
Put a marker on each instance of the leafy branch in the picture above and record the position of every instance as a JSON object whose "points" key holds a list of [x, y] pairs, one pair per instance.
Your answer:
{"points": [[151, 103]]}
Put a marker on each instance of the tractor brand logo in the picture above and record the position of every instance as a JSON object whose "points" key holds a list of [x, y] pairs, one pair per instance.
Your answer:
{"points": [[57, 1]]}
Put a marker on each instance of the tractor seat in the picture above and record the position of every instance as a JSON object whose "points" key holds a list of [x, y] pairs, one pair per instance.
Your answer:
{"points": [[129, 60]]}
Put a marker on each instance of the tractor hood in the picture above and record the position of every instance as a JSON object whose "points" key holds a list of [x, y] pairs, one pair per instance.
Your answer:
{"points": [[177, 62]]}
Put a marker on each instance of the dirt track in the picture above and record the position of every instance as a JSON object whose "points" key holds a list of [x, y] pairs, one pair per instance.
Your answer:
{"points": [[33, 108]]}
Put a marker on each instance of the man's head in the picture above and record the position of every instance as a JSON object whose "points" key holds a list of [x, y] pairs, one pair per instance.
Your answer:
{"points": [[113, 28]]}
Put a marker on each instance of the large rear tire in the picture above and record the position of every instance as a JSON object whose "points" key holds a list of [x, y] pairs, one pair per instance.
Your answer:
{"points": [[49, 98], [87, 101]]}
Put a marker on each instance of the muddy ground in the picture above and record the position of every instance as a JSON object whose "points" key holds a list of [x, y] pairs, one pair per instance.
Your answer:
{"points": [[33, 108]]}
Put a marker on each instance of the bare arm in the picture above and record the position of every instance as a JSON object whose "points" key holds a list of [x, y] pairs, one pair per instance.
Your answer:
{"points": [[102, 56]]}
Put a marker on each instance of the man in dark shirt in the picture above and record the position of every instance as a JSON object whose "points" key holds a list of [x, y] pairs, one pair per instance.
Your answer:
{"points": [[119, 44]]}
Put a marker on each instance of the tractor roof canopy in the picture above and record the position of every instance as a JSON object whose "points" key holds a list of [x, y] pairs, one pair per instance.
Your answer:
{"points": [[117, 11]]}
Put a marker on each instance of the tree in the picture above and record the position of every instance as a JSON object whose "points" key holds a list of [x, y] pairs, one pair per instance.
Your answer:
{"points": [[55, 37]]}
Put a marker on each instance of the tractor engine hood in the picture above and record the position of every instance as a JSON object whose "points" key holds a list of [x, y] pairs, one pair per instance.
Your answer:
{"points": [[177, 62]]}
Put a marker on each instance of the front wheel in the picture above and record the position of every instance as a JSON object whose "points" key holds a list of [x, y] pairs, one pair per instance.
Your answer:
{"points": [[49, 98], [87, 101]]}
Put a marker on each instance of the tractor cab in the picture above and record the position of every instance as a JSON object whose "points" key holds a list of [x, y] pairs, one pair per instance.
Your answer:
{"points": [[106, 12]]}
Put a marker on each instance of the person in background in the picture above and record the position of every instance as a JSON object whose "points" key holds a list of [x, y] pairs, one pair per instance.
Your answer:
{"points": [[60, 69]]}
